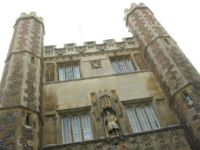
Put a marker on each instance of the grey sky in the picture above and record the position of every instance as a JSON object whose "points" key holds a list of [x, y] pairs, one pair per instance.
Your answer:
{"points": [[76, 21]]}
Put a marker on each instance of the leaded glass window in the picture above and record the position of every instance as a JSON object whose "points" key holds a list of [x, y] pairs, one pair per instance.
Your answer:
{"points": [[68, 72], [122, 65], [142, 118], [76, 128]]}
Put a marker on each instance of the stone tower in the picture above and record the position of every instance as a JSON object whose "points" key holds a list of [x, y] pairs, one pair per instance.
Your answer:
{"points": [[20, 86], [176, 75]]}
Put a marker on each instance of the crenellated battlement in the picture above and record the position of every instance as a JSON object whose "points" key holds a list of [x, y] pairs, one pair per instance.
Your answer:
{"points": [[90, 47], [133, 6], [30, 15]]}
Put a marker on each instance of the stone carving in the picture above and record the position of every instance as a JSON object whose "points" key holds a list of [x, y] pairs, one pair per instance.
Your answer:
{"points": [[121, 45], [95, 64], [104, 102], [111, 123], [50, 76], [109, 116], [60, 51]]}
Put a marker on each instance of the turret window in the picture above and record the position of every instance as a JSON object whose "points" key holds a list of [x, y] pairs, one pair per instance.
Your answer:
{"points": [[32, 59], [28, 119], [188, 98]]}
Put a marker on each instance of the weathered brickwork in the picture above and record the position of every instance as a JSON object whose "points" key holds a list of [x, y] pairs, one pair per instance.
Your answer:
{"points": [[31, 89], [37, 39], [20, 86], [8, 133], [3, 80], [172, 69], [27, 136], [160, 140], [12, 90], [23, 40]]}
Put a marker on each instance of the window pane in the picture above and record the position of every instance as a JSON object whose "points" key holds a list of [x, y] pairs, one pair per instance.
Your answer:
{"points": [[61, 72], [76, 72], [152, 117], [76, 130], [66, 130], [129, 65], [87, 132], [133, 120], [143, 119], [122, 65], [69, 72], [114, 66]]}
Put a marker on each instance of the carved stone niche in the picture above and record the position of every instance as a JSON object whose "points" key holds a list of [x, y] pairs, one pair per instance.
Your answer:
{"points": [[105, 106], [49, 72]]}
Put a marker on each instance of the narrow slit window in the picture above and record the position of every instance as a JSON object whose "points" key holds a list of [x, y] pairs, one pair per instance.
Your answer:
{"points": [[188, 98], [28, 119]]}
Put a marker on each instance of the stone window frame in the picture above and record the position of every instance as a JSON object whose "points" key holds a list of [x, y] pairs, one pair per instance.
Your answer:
{"points": [[69, 63], [141, 103], [123, 57], [69, 113]]}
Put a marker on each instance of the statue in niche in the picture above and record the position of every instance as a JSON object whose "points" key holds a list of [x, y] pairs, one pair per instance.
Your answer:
{"points": [[50, 72], [111, 123], [109, 116]]}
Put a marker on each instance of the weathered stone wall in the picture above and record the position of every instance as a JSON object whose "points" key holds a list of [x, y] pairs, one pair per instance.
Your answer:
{"points": [[64, 96], [14, 133], [163, 139], [20, 86]]}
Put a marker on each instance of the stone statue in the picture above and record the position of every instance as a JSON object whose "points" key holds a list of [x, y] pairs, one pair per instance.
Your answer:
{"points": [[111, 123]]}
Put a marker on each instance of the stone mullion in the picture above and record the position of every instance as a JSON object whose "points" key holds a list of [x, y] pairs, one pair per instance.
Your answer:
{"points": [[81, 126]]}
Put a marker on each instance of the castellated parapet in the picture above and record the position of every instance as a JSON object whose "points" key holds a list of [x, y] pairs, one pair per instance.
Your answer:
{"points": [[133, 7], [108, 45], [30, 15]]}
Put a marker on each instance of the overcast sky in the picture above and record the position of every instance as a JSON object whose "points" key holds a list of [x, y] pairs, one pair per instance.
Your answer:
{"points": [[76, 21]]}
